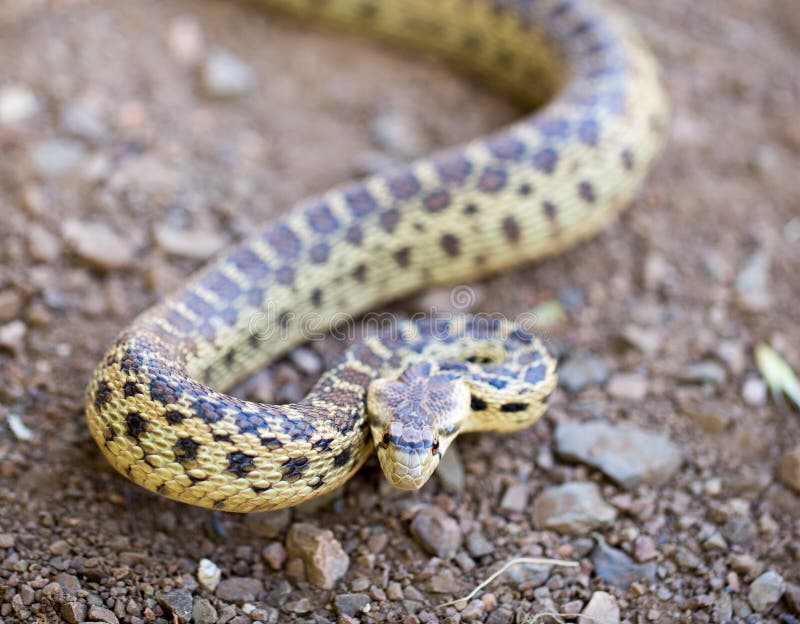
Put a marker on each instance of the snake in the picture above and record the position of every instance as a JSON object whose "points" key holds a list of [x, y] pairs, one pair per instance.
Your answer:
{"points": [[158, 403]]}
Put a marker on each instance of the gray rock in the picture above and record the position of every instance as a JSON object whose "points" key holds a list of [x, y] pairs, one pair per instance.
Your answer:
{"points": [[515, 498], [478, 545], [575, 507], [270, 524], [789, 468], [52, 158], [444, 582], [203, 612], [225, 76], [398, 133], [238, 589], [451, 470], [500, 616], [81, 121], [705, 372], [437, 532], [98, 245], [766, 591], [69, 583], [618, 569], [528, 574], [602, 609], [101, 614], [625, 453], [581, 370], [73, 612], [299, 606], [325, 560], [307, 360], [628, 387], [178, 602], [195, 244], [752, 286]]}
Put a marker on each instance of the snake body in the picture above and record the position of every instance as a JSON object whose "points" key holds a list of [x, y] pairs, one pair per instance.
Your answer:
{"points": [[155, 404]]}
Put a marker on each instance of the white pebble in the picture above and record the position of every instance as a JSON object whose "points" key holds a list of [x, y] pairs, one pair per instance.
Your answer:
{"points": [[17, 103], [225, 76], [754, 391], [208, 574], [18, 428]]}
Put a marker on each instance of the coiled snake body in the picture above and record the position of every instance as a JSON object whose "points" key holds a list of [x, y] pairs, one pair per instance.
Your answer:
{"points": [[154, 404]]}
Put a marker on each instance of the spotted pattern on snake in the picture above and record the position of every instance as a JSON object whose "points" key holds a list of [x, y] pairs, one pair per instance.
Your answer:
{"points": [[156, 404]]}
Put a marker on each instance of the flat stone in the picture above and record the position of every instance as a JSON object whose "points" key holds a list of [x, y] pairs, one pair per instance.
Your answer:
{"points": [[194, 244], [515, 498], [478, 545], [436, 532], [52, 158], [101, 614], [269, 524], [178, 602], [789, 468], [350, 604], [274, 554], [324, 558], [627, 454], [602, 609], [575, 507], [451, 471], [98, 244], [618, 569], [581, 370], [705, 372], [766, 591], [69, 583], [628, 386], [444, 582], [73, 612], [239, 589]]}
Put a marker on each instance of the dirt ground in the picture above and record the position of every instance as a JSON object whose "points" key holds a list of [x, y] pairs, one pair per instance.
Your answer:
{"points": [[113, 126]]}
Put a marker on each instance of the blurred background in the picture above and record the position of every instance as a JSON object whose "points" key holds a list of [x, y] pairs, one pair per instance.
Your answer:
{"points": [[138, 139]]}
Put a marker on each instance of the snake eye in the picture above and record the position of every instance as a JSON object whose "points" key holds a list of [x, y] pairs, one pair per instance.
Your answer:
{"points": [[435, 446], [386, 439]]}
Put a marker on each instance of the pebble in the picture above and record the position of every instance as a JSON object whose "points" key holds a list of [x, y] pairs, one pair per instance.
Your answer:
{"points": [[325, 560], [18, 428], [501, 616], [239, 589], [444, 582], [203, 612], [350, 604], [707, 371], [73, 612], [752, 285], [395, 591], [12, 336], [646, 340], [307, 360], [81, 121], [185, 40], [754, 391], [52, 158], [473, 612], [178, 602], [397, 133], [710, 416], [627, 387], [766, 591], [193, 244], [515, 498], [98, 245], [451, 471], [627, 454], [478, 545], [208, 574], [275, 555], [618, 569], [300, 606], [269, 524], [69, 583], [101, 614], [529, 574], [42, 245], [789, 468], [7, 540], [436, 532], [574, 507], [17, 104], [581, 370], [644, 549], [225, 76], [10, 304]]}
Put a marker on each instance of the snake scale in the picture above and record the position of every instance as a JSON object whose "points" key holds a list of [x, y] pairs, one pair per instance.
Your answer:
{"points": [[155, 404]]}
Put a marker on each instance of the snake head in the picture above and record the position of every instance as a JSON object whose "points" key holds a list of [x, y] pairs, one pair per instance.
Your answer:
{"points": [[413, 420]]}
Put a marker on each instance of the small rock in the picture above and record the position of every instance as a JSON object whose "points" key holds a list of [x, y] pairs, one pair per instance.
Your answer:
{"points": [[437, 532], [658, 272], [178, 602], [500, 616], [444, 582], [644, 549], [225, 76], [52, 158], [208, 574], [12, 336], [752, 285], [618, 569], [515, 498], [185, 40], [69, 583], [789, 468], [17, 104], [528, 574], [275, 555], [203, 612], [646, 340], [602, 609], [398, 133], [101, 614], [703, 372], [238, 589], [627, 387], [98, 244], [792, 597], [473, 612], [710, 416], [73, 612], [350, 604], [193, 244], [325, 560], [625, 453], [307, 360], [7, 540], [10, 304], [754, 391], [269, 524], [766, 591], [301, 606], [573, 507], [18, 427], [581, 370], [746, 564], [81, 121], [451, 471], [478, 545], [395, 591], [739, 529]]}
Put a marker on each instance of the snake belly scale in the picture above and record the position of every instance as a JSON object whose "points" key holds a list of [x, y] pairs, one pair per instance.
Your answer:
{"points": [[156, 404]]}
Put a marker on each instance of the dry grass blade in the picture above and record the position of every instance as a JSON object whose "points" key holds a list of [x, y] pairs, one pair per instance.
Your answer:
{"points": [[777, 373]]}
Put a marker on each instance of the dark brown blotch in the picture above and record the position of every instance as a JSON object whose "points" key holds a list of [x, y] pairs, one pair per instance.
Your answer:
{"points": [[587, 192], [450, 244], [511, 229], [137, 425], [185, 450], [513, 407], [437, 201], [492, 179], [390, 219], [403, 256], [360, 273]]}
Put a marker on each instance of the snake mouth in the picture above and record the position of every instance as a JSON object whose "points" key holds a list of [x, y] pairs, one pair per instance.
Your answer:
{"points": [[407, 469]]}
